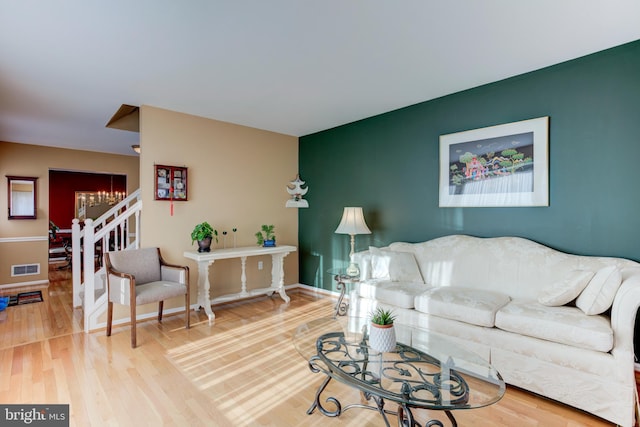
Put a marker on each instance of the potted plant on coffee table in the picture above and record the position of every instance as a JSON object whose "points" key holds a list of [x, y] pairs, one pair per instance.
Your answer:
{"points": [[265, 236], [203, 233], [382, 336]]}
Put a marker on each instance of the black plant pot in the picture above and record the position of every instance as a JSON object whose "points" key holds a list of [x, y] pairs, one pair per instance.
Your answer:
{"points": [[204, 245]]}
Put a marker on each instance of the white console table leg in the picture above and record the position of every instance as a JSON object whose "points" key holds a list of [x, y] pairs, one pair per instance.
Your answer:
{"points": [[243, 276], [277, 275], [204, 298]]}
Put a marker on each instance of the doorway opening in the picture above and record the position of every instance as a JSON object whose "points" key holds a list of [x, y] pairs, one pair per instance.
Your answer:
{"points": [[82, 195]]}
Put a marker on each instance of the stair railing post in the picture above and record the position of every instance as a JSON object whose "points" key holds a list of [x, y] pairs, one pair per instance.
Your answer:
{"points": [[89, 272], [137, 214], [76, 253]]}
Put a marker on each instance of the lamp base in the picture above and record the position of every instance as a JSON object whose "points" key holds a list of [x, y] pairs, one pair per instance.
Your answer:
{"points": [[353, 270]]}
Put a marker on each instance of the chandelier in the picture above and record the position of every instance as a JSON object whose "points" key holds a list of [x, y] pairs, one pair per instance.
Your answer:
{"points": [[102, 197], [91, 199]]}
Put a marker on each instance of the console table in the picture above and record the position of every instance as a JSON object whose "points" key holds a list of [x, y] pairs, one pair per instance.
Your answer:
{"points": [[205, 259]]}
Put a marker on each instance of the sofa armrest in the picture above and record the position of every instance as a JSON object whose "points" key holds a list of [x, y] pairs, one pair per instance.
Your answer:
{"points": [[623, 312]]}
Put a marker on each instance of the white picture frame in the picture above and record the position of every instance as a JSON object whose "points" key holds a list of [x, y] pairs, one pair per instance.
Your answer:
{"points": [[498, 166]]}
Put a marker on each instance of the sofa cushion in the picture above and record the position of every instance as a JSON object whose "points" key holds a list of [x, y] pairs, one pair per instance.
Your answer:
{"points": [[400, 294], [565, 325], [598, 296], [394, 266], [565, 291], [475, 306]]}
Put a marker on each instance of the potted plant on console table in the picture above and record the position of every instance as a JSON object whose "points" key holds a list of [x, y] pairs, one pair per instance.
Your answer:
{"points": [[203, 233], [265, 236], [382, 336]]}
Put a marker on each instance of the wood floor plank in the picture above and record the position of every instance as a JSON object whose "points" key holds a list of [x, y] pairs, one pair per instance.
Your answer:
{"points": [[241, 370]]}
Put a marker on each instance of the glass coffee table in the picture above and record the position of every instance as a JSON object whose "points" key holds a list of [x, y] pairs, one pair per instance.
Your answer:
{"points": [[425, 371]]}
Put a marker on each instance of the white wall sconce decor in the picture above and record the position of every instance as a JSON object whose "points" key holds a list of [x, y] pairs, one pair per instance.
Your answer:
{"points": [[294, 188]]}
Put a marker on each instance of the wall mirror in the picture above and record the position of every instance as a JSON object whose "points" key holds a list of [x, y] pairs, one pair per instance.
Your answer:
{"points": [[22, 192]]}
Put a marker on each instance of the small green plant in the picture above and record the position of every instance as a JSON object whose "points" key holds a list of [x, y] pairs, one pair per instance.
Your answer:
{"points": [[265, 233], [202, 231], [380, 316]]}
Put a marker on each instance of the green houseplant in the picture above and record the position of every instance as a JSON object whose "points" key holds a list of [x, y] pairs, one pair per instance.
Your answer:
{"points": [[382, 317], [266, 236], [203, 233], [382, 336]]}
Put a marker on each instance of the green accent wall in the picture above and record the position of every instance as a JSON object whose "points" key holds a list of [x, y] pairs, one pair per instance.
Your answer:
{"points": [[389, 165]]}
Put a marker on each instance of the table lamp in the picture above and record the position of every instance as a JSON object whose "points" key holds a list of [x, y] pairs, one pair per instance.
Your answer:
{"points": [[352, 223]]}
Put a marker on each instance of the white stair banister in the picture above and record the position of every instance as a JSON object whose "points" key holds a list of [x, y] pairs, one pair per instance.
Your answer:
{"points": [[115, 222]]}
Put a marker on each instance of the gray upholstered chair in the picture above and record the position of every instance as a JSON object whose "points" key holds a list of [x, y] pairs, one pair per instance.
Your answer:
{"points": [[140, 276]]}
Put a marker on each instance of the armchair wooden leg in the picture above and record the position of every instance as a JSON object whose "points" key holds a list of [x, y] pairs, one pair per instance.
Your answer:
{"points": [[160, 306], [187, 310], [109, 317], [133, 326]]}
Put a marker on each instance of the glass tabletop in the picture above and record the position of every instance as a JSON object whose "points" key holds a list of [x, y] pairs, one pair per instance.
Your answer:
{"points": [[341, 273], [424, 371]]}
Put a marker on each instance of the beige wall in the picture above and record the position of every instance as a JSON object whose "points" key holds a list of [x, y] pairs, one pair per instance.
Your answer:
{"points": [[237, 177], [35, 161]]}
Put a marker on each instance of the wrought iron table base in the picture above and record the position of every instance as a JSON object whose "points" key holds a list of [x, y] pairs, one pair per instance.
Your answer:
{"points": [[403, 414], [341, 306]]}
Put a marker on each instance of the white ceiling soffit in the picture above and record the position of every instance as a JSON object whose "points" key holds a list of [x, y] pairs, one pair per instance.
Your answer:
{"points": [[294, 67]]}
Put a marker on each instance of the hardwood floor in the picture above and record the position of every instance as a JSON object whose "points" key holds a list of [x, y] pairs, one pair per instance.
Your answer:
{"points": [[242, 370]]}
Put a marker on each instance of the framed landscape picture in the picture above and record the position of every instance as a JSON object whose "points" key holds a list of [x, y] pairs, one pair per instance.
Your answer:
{"points": [[170, 182], [498, 166]]}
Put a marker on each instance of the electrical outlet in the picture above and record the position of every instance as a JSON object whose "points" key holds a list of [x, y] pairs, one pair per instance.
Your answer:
{"points": [[260, 265]]}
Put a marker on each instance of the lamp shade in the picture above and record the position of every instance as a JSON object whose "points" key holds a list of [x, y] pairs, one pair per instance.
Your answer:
{"points": [[352, 222]]}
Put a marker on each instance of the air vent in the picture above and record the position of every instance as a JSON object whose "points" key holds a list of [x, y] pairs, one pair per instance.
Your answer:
{"points": [[25, 270]]}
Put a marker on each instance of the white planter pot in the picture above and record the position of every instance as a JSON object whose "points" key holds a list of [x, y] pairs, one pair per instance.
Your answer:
{"points": [[382, 338]]}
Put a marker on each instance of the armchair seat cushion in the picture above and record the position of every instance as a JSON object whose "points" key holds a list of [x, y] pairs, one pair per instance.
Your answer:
{"points": [[158, 291]]}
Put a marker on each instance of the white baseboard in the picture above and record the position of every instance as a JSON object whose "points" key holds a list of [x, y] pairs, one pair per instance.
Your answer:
{"points": [[313, 290]]}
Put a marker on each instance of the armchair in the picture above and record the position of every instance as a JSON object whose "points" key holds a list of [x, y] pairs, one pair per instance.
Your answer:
{"points": [[141, 276]]}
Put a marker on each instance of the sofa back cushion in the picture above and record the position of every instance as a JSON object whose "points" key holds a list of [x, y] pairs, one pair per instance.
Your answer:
{"points": [[515, 266], [394, 266], [598, 296], [564, 291]]}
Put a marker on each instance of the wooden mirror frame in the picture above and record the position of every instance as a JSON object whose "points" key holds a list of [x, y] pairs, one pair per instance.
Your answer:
{"points": [[33, 209]]}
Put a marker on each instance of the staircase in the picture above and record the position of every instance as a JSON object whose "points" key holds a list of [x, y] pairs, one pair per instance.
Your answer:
{"points": [[117, 230]]}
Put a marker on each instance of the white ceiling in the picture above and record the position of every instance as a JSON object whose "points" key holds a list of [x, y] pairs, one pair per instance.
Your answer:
{"points": [[290, 66]]}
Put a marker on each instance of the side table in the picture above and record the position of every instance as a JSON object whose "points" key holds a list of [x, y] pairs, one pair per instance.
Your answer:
{"points": [[342, 280]]}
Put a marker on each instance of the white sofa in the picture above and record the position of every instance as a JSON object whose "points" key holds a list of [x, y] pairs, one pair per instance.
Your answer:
{"points": [[556, 324]]}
